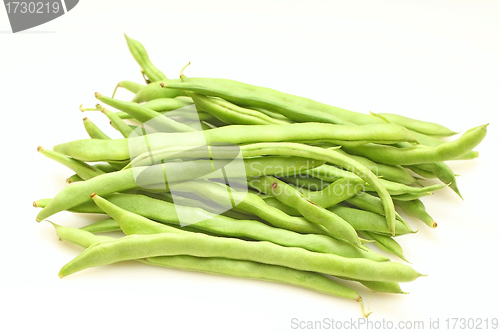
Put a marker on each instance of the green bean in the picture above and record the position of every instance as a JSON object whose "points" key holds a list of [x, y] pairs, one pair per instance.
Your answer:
{"points": [[106, 225], [117, 150], [129, 85], [117, 122], [231, 113], [368, 221], [420, 126], [443, 172], [169, 104], [228, 267], [82, 169], [155, 91], [144, 114], [131, 223], [367, 202], [199, 245], [141, 56], [271, 114], [427, 140], [331, 173], [93, 131], [42, 203], [395, 173], [123, 180], [190, 114], [397, 189], [468, 156], [416, 209], [336, 226], [385, 243], [110, 225], [294, 107], [160, 105], [422, 154], [73, 179], [410, 196], [383, 287], [421, 172]]}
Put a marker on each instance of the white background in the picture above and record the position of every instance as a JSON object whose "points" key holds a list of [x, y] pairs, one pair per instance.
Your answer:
{"points": [[433, 60]]}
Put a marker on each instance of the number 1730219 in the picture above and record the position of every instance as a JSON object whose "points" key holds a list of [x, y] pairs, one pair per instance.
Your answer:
{"points": [[32, 7]]}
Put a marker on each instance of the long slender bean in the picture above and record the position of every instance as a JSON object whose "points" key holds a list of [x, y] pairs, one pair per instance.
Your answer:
{"points": [[385, 243], [228, 267], [117, 150], [420, 126], [231, 113], [294, 107], [145, 246], [129, 85], [422, 154], [144, 115], [141, 56], [416, 209], [123, 180]]}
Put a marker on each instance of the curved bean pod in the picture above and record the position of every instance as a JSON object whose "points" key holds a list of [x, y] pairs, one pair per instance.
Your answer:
{"points": [[420, 126], [123, 180], [443, 172], [385, 243], [228, 267], [73, 179], [231, 113], [82, 169], [106, 225], [422, 154], [416, 209], [93, 131], [116, 150], [395, 173], [368, 221], [199, 245], [144, 114], [141, 56], [294, 107]]}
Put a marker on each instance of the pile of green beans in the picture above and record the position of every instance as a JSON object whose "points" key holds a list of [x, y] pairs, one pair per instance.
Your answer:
{"points": [[228, 178]]}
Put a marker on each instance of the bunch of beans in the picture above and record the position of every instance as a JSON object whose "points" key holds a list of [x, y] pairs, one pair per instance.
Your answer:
{"points": [[308, 184]]}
